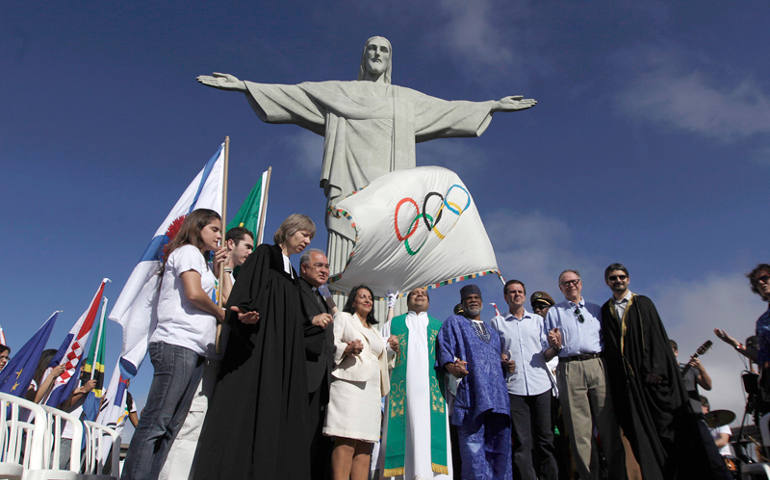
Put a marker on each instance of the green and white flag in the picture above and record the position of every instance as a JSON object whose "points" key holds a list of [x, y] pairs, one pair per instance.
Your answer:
{"points": [[250, 213]]}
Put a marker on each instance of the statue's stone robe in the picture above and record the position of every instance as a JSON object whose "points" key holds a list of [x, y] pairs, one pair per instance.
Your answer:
{"points": [[370, 128]]}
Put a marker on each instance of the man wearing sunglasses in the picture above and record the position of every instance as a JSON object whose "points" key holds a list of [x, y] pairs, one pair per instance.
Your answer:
{"points": [[643, 375], [574, 330]]}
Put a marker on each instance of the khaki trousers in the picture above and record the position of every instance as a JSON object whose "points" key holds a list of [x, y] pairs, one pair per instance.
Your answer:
{"points": [[586, 403]]}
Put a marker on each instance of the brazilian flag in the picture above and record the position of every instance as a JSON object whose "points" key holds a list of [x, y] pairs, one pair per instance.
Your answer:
{"points": [[249, 215]]}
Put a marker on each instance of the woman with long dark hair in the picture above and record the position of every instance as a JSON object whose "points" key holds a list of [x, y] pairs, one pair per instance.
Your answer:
{"points": [[360, 380], [184, 336], [256, 423]]}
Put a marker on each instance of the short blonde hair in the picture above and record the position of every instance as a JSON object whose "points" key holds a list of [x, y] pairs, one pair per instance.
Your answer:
{"points": [[293, 224]]}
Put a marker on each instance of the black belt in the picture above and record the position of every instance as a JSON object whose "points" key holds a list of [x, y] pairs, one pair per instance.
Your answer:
{"points": [[582, 356]]}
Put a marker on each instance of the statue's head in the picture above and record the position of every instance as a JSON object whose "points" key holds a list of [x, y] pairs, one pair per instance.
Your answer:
{"points": [[376, 60]]}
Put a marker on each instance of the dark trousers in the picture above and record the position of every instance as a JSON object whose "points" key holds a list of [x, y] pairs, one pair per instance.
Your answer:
{"points": [[320, 445], [533, 434]]}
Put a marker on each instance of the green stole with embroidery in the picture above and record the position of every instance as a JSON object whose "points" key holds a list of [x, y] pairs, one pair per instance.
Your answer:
{"points": [[396, 439]]}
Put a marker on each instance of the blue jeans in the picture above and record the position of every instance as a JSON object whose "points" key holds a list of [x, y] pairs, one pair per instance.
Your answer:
{"points": [[177, 373]]}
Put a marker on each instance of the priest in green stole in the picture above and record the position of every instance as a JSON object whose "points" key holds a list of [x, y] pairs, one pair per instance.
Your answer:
{"points": [[416, 433]]}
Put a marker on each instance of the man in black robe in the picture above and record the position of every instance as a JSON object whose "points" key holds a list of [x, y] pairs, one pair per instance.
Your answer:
{"points": [[256, 424], [651, 403], [319, 357]]}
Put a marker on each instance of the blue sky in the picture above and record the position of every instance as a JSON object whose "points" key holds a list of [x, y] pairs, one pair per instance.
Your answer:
{"points": [[650, 144]]}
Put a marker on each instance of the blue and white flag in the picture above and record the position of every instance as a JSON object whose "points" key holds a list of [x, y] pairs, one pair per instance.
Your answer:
{"points": [[15, 377], [133, 309]]}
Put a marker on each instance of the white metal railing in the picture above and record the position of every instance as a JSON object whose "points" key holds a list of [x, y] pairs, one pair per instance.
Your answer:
{"points": [[22, 435]]}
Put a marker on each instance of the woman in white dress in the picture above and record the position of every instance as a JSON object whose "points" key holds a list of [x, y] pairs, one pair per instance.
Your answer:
{"points": [[360, 380]]}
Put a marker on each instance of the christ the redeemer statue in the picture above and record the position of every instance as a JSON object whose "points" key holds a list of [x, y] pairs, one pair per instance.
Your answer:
{"points": [[369, 126]]}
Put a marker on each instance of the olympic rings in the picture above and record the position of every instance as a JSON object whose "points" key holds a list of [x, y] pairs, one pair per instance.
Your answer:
{"points": [[435, 229], [452, 204], [425, 217], [467, 204], [425, 209], [412, 230]]}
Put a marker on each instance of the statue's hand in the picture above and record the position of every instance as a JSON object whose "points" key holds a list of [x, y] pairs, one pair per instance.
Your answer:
{"points": [[225, 81], [513, 103]]}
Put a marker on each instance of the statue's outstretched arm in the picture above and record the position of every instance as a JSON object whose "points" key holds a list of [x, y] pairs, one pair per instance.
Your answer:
{"points": [[513, 103], [224, 81]]}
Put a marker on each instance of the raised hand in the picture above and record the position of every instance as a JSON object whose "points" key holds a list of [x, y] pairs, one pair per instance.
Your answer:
{"points": [[219, 259], [513, 103], [223, 81], [725, 337]]}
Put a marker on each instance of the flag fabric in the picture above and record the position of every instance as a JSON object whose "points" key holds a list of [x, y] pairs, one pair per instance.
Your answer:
{"points": [[414, 228], [70, 352], [133, 309], [249, 215], [15, 377], [93, 368], [3, 341], [113, 411]]}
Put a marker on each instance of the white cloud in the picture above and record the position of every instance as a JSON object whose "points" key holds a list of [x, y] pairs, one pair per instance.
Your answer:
{"points": [[675, 94], [691, 311], [306, 151], [535, 248], [482, 35], [458, 155]]}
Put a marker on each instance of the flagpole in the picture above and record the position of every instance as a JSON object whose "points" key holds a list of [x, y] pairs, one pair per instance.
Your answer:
{"points": [[224, 217], [263, 206], [99, 336], [222, 273]]}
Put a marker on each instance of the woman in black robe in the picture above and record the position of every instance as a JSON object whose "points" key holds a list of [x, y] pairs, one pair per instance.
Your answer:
{"points": [[256, 420]]}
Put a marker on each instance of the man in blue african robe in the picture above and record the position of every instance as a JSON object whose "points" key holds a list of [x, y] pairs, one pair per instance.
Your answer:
{"points": [[471, 351]]}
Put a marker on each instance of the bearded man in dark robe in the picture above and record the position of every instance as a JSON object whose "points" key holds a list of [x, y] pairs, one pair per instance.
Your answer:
{"points": [[651, 403]]}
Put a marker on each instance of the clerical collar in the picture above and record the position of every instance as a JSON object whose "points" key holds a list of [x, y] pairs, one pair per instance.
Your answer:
{"points": [[287, 265]]}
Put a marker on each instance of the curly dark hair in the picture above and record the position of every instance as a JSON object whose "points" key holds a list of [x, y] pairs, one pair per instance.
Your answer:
{"points": [[754, 275], [352, 297]]}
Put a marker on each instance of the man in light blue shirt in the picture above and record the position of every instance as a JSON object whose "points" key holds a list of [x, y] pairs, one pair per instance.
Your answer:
{"points": [[523, 339], [574, 330]]}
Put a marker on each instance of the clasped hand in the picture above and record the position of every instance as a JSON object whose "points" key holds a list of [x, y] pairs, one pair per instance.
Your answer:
{"points": [[508, 364], [354, 348], [458, 368], [554, 338], [393, 342]]}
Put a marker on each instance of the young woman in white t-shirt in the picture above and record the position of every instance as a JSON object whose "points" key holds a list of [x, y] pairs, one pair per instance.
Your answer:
{"points": [[184, 336]]}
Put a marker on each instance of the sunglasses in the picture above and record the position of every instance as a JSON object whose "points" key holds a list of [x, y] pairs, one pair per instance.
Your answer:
{"points": [[579, 315], [763, 279], [567, 283], [617, 277]]}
